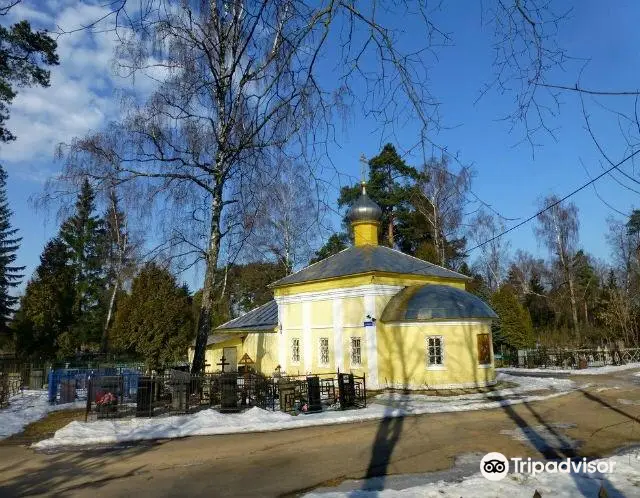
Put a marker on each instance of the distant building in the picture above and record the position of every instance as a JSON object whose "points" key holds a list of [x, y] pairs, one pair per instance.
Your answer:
{"points": [[369, 309]]}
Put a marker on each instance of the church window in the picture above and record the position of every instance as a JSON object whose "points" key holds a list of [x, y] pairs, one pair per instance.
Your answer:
{"points": [[324, 351], [356, 352], [435, 351], [295, 350]]}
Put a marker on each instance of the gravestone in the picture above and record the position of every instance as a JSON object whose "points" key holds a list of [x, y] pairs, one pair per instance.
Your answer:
{"points": [[346, 391], [67, 391], [287, 392], [229, 392], [144, 397], [314, 403], [179, 389]]}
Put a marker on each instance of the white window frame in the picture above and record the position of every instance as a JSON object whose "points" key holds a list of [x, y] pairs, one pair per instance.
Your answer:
{"points": [[435, 366], [321, 362], [295, 343], [353, 363]]}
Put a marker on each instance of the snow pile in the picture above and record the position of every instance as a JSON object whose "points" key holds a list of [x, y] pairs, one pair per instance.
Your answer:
{"points": [[26, 408], [210, 422], [623, 481], [585, 371]]}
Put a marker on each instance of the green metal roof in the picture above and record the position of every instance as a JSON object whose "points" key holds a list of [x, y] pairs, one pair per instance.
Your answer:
{"points": [[435, 302], [365, 259]]}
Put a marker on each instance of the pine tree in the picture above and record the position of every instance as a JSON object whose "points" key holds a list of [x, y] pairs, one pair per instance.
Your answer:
{"points": [[84, 235], [389, 185], [336, 243], [10, 275]]}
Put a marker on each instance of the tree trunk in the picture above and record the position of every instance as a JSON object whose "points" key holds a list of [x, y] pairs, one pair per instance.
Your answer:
{"points": [[104, 343], [574, 306], [390, 232], [208, 298], [436, 235]]}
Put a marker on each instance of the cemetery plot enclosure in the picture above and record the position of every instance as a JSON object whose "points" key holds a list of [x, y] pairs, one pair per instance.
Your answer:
{"points": [[176, 392]]}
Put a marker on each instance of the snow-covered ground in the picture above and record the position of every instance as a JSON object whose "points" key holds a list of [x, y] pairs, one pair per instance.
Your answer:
{"points": [[585, 371], [210, 422], [623, 481], [26, 408]]}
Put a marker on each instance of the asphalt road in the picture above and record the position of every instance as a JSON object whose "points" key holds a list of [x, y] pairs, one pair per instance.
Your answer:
{"points": [[590, 422]]}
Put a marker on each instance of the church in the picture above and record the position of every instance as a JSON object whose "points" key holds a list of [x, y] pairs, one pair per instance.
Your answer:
{"points": [[402, 322]]}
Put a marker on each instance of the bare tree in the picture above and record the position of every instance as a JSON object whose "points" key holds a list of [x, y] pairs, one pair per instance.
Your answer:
{"points": [[523, 269], [121, 257], [558, 230], [239, 86], [624, 245], [485, 231], [443, 196], [287, 222]]}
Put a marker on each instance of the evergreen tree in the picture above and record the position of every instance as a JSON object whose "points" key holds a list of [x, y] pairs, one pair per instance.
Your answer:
{"points": [[84, 235], [513, 326], [336, 243], [23, 54], [46, 309], [389, 185], [156, 320], [10, 275], [537, 302]]}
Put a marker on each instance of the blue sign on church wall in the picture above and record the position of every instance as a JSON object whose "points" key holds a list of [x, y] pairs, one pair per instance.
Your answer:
{"points": [[368, 324]]}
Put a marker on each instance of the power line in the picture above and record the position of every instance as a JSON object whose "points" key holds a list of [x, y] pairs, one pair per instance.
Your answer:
{"points": [[559, 201]]}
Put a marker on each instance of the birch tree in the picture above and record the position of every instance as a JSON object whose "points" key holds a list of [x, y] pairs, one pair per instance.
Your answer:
{"points": [[558, 230], [486, 229], [441, 201], [240, 84], [287, 220]]}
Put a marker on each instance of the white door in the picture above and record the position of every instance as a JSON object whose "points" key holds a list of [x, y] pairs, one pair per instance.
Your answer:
{"points": [[231, 357]]}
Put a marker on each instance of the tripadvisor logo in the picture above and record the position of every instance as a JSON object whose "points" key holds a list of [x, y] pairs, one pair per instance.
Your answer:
{"points": [[494, 466]]}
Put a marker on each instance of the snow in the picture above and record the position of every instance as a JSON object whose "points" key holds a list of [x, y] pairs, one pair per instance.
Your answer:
{"points": [[26, 408], [211, 422], [586, 371], [623, 481]]}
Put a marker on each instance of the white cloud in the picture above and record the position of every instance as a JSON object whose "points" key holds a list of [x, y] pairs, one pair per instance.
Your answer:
{"points": [[83, 95]]}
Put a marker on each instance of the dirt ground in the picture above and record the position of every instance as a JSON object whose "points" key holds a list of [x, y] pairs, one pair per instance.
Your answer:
{"points": [[593, 421]]}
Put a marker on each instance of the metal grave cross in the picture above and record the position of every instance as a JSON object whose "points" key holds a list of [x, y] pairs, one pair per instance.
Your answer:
{"points": [[223, 363]]}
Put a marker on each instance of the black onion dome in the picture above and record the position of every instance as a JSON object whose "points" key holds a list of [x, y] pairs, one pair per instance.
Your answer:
{"points": [[364, 209], [435, 302]]}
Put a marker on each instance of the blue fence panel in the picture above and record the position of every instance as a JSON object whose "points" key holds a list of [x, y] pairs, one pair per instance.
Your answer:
{"points": [[76, 380]]}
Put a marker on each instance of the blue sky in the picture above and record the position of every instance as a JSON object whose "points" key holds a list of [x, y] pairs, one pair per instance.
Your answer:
{"points": [[509, 176]]}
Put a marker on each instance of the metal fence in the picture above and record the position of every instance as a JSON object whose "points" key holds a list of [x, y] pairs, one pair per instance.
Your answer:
{"points": [[71, 384], [176, 392], [568, 358], [29, 375]]}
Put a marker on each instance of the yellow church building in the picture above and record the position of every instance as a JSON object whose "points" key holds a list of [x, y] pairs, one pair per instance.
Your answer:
{"points": [[372, 310]]}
